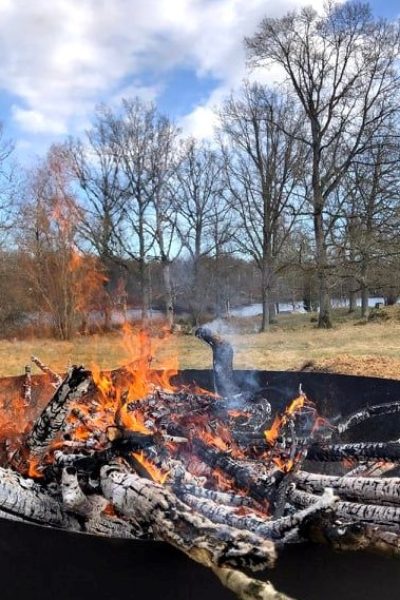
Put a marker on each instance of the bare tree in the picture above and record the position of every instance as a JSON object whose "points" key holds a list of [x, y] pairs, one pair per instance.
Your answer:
{"points": [[129, 139], [265, 167], [202, 225], [143, 141], [342, 67], [372, 191], [97, 170], [9, 187], [163, 161]]}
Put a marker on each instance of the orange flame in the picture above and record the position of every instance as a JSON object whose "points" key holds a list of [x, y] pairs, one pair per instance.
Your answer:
{"points": [[272, 434], [153, 471]]}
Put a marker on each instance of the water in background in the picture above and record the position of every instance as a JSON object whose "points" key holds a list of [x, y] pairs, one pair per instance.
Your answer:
{"points": [[254, 310]]}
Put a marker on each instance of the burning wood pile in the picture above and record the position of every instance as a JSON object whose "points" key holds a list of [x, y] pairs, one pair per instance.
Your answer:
{"points": [[128, 454]]}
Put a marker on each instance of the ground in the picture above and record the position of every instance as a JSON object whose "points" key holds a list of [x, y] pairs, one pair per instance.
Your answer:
{"points": [[294, 343]]}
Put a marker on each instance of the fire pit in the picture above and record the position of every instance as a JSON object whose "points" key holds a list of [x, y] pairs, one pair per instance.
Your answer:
{"points": [[267, 466]]}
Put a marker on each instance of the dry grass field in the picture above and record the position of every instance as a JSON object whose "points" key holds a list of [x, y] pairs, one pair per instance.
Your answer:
{"points": [[294, 343]]}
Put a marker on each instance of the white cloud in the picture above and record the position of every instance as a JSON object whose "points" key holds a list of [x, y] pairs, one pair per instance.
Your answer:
{"points": [[200, 123], [60, 58], [35, 121]]}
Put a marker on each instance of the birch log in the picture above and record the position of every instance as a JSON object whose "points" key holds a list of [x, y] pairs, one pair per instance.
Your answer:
{"points": [[267, 529], [150, 504], [352, 511], [372, 489]]}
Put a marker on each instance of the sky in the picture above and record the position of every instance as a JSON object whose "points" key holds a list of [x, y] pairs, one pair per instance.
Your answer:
{"points": [[61, 58]]}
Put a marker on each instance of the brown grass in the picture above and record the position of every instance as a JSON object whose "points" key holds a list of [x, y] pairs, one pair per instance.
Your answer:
{"points": [[351, 347]]}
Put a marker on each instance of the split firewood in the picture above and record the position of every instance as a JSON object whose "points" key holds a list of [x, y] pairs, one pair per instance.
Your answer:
{"points": [[371, 489], [21, 497], [51, 420], [24, 500], [151, 505], [57, 379]]}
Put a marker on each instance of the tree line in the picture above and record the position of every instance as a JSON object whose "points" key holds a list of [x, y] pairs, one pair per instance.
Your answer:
{"points": [[296, 198]]}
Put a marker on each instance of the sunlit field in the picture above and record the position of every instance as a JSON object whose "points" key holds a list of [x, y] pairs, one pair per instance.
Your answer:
{"points": [[293, 343]]}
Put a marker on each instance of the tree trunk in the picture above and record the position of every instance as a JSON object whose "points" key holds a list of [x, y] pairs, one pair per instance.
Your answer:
{"points": [[391, 297], [195, 294], [268, 307], [364, 290], [169, 301], [272, 313], [144, 288], [352, 301], [364, 301], [324, 321], [265, 321]]}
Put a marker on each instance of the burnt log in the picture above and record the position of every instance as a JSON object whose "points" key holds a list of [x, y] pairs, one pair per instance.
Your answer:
{"points": [[21, 497], [211, 546], [51, 420], [226, 498], [372, 489], [382, 451], [153, 506], [24, 500], [261, 488], [369, 412], [72, 495], [367, 513], [274, 529]]}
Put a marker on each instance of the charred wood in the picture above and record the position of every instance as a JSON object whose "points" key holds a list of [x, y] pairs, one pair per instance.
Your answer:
{"points": [[269, 529], [26, 499], [245, 587], [226, 498], [385, 451], [51, 420], [169, 519], [367, 513], [260, 488], [72, 495], [367, 413], [375, 490]]}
